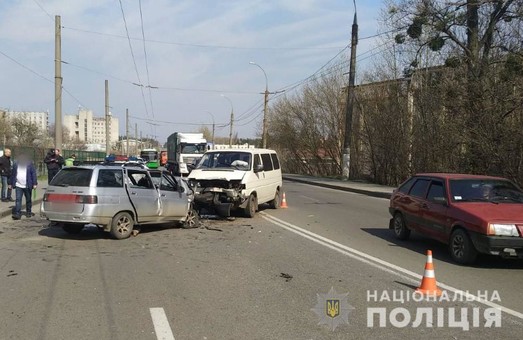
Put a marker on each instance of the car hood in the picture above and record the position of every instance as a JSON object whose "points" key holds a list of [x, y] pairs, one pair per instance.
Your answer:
{"points": [[508, 212], [226, 175]]}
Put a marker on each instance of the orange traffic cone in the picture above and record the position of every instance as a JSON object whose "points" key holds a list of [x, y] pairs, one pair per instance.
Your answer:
{"points": [[428, 283], [283, 204]]}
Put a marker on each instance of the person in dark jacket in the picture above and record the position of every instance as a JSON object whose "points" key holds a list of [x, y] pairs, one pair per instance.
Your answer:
{"points": [[54, 163], [5, 171], [23, 180]]}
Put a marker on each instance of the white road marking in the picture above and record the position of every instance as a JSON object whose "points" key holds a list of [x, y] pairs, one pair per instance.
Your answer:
{"points": [[378, 263], [161, 324]]}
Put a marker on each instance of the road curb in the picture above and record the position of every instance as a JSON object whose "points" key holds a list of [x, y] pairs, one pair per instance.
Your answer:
{"points": [[339, 187], [8, 211]]}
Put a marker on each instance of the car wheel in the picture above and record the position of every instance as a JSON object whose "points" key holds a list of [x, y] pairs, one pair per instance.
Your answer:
{"points": [[192, 220], [275, 203], [72, 228], [122, 225], [461, 247], [400, 229], [252, 206]]}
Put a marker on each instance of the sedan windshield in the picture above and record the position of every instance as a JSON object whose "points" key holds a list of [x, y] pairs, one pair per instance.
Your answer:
{"points": [[485, 190], [226, 160]]}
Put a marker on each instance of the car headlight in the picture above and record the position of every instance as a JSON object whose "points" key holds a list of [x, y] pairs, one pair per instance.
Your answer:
{"points": [[502, 229]]}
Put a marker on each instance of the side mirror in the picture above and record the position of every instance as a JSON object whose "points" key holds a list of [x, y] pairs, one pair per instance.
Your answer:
{"points": [[258, 168], [181, 189]]}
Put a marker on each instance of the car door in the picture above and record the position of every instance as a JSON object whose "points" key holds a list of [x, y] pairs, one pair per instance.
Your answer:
{"points": [[413, 203], [144, 196], [434, 210], [174, 202]]}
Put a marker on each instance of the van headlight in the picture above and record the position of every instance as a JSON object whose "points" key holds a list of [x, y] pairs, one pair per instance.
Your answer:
{"points": [[498, 229]]}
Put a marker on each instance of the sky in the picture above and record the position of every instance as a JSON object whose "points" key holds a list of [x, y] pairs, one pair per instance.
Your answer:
{"points": [[194, 63]]}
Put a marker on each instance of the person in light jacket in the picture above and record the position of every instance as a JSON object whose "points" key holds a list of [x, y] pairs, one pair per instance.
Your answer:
{"points": [[23, 181]]}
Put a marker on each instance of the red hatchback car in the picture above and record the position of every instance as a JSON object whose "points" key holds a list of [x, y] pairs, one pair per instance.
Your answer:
{"points": [[472, 214]]}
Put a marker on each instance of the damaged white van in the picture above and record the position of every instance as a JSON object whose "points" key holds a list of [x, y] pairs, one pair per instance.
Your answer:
{"points": [[225, 180]]}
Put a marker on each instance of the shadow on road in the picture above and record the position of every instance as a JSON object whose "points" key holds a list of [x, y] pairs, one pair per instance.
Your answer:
{"points": [[418, 243], [93, 233]]}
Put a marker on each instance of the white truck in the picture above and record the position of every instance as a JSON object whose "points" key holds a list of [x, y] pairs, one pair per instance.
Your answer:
{"points": [[183, 151]]}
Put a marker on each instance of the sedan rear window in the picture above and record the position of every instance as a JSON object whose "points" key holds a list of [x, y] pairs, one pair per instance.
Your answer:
{"points": [[77, 177]]}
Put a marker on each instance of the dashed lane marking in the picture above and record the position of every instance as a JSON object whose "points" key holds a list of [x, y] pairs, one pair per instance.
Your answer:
{"points": [[161, 324]]}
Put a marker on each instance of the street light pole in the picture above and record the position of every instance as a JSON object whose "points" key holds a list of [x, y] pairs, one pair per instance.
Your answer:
{"points": [[265, 104], [232, 119]]}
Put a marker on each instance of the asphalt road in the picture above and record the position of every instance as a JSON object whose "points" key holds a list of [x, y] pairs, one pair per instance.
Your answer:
{"points": [[225, 281]]}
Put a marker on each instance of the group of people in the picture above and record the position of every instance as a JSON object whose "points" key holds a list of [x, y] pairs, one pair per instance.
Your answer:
{"points": [[20, 176]]}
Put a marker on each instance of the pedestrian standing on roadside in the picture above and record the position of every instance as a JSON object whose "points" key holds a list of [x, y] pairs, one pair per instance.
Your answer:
{"points": [[70, 161], [23, 180], [6, 166], [54, 163]]}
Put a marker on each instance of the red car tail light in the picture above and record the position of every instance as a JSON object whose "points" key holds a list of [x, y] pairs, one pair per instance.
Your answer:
{"points": [[87, 199], [71, 198], [60, 198]]}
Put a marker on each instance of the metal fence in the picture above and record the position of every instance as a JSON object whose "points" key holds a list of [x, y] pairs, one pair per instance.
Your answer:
{"points": [[38, 156]]}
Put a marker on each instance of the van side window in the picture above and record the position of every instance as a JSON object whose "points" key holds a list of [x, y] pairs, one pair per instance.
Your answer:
{"points": [[275, 161], [257, 160], [267, 162]]}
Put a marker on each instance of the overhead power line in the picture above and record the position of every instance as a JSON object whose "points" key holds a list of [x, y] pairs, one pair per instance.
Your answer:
{"points": [[43, 9], [155, 121], [134, 59], [156, 87], [146, 61], [205, 45], [40, 76]]}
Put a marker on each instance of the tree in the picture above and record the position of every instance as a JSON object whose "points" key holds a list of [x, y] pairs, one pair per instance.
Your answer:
{"points": [[307, 128], [24, 132], [207, 133], [481, 41], [69, 142]]}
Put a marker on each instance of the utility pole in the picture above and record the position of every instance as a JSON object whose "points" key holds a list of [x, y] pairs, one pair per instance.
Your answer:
{"points": [[264, 132], [213, 126], [349, 108], [107, 120], [232, 118], [58, 83], [230, 130], [136, 139], [127, 132]]}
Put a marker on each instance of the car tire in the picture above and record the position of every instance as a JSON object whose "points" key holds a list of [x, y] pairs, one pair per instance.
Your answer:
{"points": [[275, 203], [192, 220], [400, 229], [72, 228], [252, 206], [122, 225], [461, 248]]}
